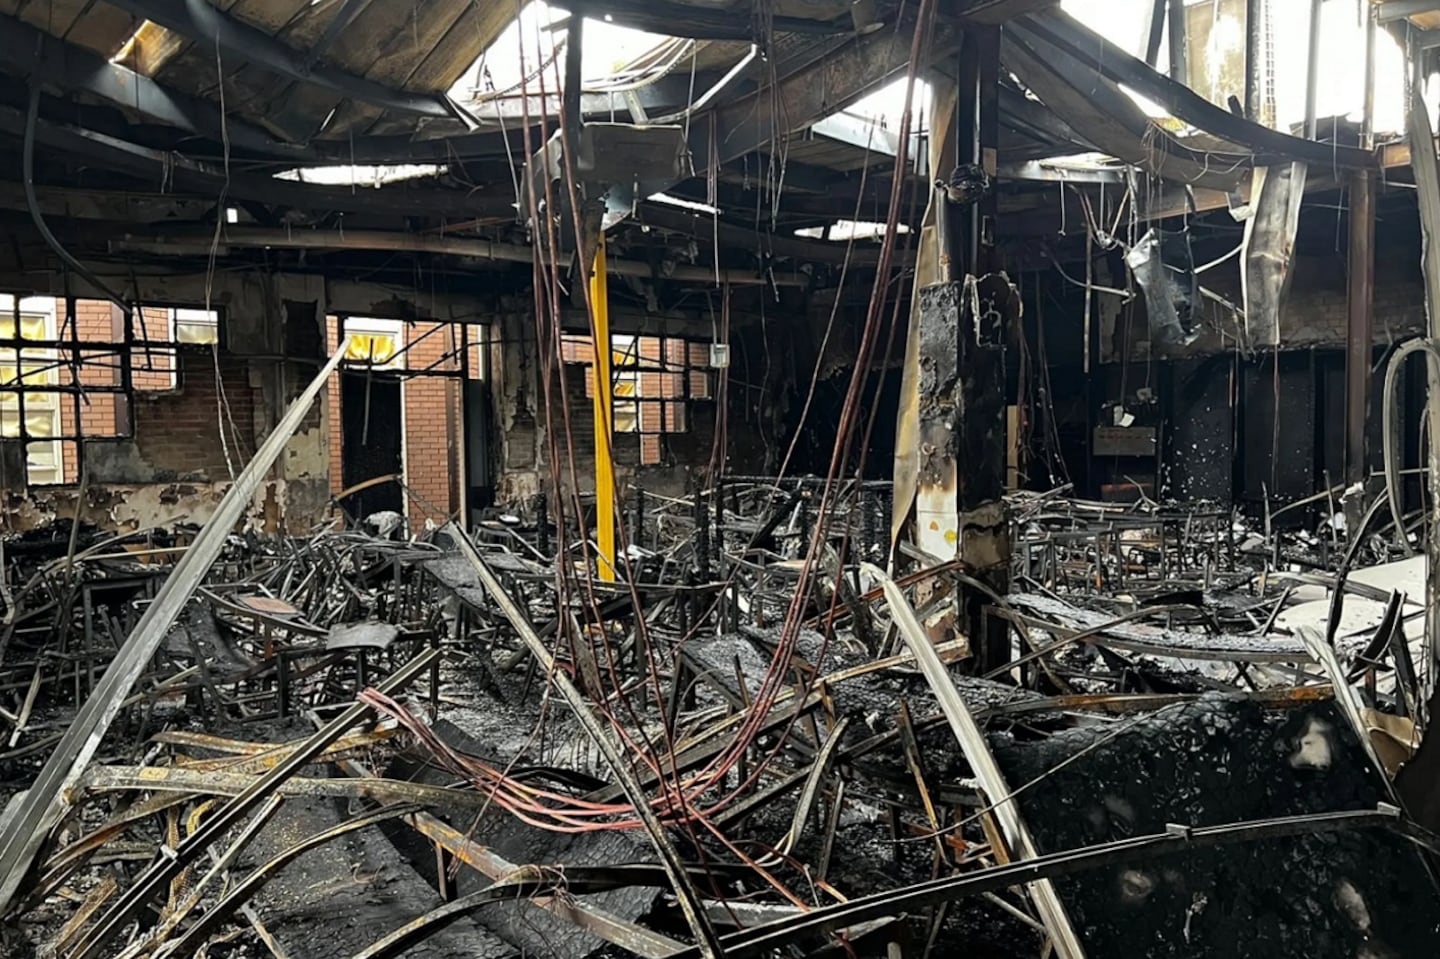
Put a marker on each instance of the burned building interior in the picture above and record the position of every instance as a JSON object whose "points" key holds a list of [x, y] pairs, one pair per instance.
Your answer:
{"points": [[870, 478]]}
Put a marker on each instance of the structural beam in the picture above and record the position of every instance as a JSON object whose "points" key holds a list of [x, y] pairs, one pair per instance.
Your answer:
{"points": [[243, 237], [1359, 325], [994, 12], [1176, 33], [808, 96], [1312, 68], [690, 20], [1389, 11], [1254, 65], [206, 24], [156, 166], [604, 408], [75, 69]]}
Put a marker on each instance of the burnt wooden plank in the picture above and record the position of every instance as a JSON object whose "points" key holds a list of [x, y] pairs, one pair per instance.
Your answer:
{"points": [[387, 42], [55, 17]]}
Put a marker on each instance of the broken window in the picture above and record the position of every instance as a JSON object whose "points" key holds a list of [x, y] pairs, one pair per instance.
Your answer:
{"points": [[375, 343], [654, 379], [28, 410]]}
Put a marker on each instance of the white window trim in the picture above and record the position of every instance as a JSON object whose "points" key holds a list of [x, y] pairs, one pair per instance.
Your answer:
{"points": [[42, 306], [378, 326]]}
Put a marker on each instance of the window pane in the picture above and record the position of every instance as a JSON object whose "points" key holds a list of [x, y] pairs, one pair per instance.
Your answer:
{"points": [[627, 417], [197, 333]]}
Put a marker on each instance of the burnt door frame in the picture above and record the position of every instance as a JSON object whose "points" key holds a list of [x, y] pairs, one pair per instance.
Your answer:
{"points": [[372, 444]]}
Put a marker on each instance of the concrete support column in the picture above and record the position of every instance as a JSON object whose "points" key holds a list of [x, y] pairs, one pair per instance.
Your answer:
{"points": [[964, 324]]}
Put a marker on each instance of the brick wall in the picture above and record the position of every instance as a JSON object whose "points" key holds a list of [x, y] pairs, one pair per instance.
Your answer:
{"points": [[96, 321], [178, 432], [337, 476], [433, 432]]}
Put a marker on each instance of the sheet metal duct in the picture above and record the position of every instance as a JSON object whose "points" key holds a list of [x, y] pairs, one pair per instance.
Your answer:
{"points": [[1268, 250], [1165, 270]]}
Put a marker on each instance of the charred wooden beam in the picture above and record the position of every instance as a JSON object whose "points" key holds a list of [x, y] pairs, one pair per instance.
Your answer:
{"points": [[77, 70], [963, 329], [772, 114]]}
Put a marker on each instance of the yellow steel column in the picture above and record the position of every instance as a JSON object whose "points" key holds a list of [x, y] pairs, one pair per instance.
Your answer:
{"points": [[604, 417]]}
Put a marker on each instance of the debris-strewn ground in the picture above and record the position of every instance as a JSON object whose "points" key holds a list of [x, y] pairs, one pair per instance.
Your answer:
{"points": [[797, 752]]}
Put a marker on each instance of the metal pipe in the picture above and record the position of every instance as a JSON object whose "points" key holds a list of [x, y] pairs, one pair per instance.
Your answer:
{"points": [[1152, 29], [1254, 79], [286, 239], [1359, 324], [33, 203], [604, 403], [1427, 180], [1367, 113], [1179, 60], [1312, 68], [709, 95]]}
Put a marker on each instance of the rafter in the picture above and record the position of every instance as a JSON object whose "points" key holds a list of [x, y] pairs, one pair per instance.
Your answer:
{"points": [[198, 20]]}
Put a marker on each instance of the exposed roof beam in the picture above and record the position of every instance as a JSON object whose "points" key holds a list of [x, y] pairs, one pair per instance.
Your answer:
{"points": [[200, 21], [154, 166], [1105, 116], [686, 20], [993, 12], [1391, 10], [1110, 61], [75, 69], [242, 237], [862, 133], [805, 98], [337, 23], [1057, 171]]}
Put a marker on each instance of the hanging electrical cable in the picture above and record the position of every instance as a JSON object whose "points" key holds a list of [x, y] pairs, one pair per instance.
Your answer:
{"points": [[32, 201]]}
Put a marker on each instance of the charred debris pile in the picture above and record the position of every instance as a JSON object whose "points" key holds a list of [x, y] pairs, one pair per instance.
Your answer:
{"points": [[1208, 739]]}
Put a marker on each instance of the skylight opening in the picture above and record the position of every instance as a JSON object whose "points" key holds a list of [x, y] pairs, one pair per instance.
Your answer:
{"points": [[540, 30], [886, 105], [367, 176], [1340, 90], [692, 205], [128, 47], [842, 230]]}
